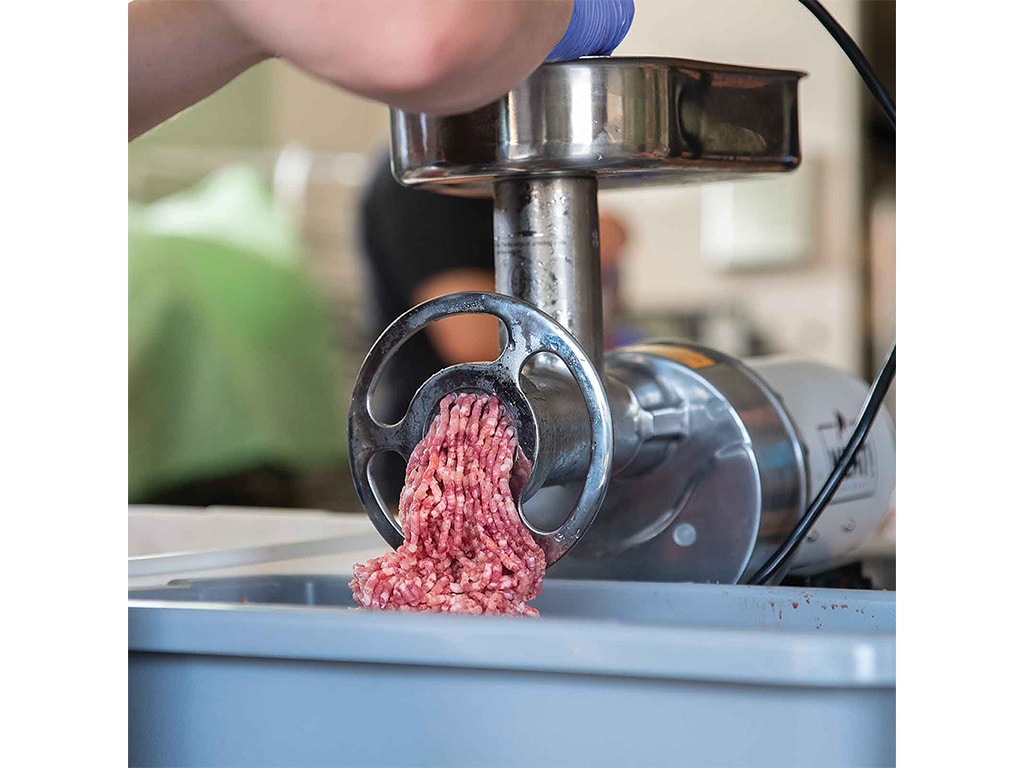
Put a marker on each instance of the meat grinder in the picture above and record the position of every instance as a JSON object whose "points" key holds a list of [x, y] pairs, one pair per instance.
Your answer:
{"points": [[660, 461]]}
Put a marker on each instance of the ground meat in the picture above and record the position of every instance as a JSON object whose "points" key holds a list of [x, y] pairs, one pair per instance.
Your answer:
{"points": [[465, 549]]}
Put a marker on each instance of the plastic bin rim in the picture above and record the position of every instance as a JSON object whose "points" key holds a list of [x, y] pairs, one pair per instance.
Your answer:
{"points": [[553, 645]]}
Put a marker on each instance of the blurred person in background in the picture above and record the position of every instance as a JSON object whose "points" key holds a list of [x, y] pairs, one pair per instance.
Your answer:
{"points": [[417, 245], [232, 370]]}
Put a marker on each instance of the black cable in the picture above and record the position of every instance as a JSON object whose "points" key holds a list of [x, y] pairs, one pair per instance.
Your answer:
{"points": [[867, 417], [854, 53], [876, 395]]}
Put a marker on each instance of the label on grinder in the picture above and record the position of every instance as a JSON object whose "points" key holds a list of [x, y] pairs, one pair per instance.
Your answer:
{"points": [[861, 478]]}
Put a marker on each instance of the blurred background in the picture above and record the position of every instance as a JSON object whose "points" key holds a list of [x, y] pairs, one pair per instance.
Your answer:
{"points": [[247, 300]]}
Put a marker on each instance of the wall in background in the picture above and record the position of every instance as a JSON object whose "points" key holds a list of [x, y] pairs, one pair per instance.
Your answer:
{"points": [[237, 117], [314, 114]]}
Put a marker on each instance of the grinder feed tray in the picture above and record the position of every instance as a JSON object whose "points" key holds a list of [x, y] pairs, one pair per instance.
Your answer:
{"points": [[626, 120]]}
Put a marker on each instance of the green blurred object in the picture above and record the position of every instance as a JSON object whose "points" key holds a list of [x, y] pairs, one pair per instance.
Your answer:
{"points": [[231, 360]]}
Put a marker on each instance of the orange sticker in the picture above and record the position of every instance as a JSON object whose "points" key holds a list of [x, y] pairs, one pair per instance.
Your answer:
{"points": [[687, 357]]}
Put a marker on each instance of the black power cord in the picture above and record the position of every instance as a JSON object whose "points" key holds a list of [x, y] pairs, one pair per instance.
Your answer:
{"points": [[860, 61], [876, 395]]}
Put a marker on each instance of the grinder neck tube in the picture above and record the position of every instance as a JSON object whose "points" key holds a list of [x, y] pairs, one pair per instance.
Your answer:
{"points": [[547, 251]]}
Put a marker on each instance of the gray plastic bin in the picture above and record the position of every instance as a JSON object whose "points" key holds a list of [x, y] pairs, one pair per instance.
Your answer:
{"points": [[284, 671]]}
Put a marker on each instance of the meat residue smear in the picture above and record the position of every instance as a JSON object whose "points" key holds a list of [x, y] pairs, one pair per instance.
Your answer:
{"points": [[465, 549]]}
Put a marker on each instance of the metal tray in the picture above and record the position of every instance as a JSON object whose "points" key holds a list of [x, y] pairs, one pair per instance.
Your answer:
{"points": [[627, 120]]}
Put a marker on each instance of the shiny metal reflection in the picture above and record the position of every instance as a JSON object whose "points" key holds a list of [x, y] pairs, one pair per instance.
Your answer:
{"points": [[626, 120]]}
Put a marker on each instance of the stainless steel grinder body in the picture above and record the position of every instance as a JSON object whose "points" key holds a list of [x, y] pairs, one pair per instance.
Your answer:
{"points": [[739, 449], [656, 462]]}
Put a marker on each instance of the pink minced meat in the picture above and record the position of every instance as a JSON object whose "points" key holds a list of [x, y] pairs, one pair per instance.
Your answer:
{"points": [[465, 549]]}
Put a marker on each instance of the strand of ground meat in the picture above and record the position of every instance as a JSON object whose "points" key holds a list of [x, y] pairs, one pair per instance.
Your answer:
{"points": [[465, 549]]}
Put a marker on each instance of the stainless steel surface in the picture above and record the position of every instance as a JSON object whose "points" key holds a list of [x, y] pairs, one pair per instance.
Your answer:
{"points": [[626, 120], [528, 332], [719, 481], [547, 252]]}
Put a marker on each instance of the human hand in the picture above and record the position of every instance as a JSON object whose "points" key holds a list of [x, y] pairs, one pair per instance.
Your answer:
{"points": [[441, 56], [437, 56]]}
